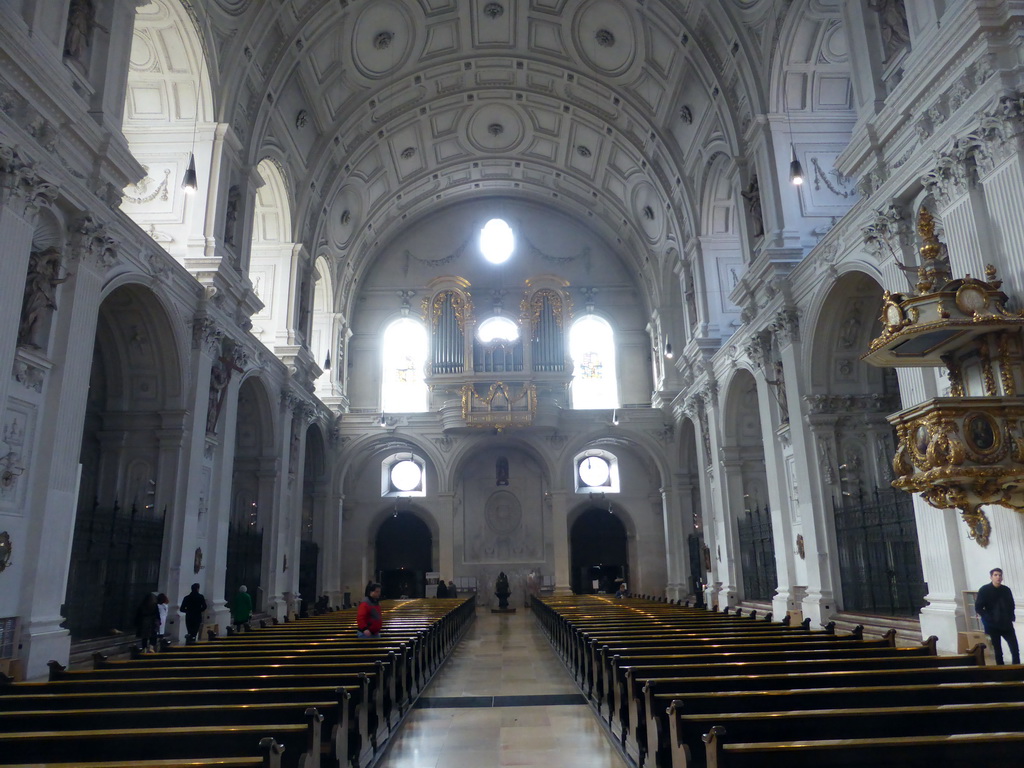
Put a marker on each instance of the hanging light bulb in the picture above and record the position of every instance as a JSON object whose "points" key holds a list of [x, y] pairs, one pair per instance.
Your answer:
{"points": [[615, 417], [327, 361], [383, 420], [796, 171], [668, 349], [190, 182]]}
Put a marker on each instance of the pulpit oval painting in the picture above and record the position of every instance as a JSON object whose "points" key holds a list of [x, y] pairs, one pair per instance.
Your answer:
{"points": [[981, 432]]}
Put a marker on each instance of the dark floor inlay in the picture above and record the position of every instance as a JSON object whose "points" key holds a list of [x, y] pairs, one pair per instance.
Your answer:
{"points": [[462, 702]]}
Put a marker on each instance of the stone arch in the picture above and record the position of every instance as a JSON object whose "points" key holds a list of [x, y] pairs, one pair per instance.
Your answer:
{"points": [[405, 545], [747, 516], [848, 407], [276, 269], [322, 344], [168, 118], [253, 482], [722, 255], [135, 391]]}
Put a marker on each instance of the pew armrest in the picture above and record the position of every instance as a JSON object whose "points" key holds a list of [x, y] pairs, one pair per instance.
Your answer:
{"points": [[713, 746], [270, 751]]}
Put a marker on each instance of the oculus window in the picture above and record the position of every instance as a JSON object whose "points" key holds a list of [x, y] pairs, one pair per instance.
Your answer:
{"points": [[497, 241], [403, 474], [596, 471], [592, 346], [404, 356]]}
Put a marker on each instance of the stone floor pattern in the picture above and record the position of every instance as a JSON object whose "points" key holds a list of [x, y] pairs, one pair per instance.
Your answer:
{"points": [[502, 699]]}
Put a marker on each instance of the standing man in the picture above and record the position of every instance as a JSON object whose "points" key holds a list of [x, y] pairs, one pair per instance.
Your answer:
{"points": [[193, 606], [369, 618], [995, 607]]}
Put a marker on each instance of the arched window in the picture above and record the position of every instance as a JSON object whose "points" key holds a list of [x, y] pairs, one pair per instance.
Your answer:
{"points": [[592, 346], [404, 356]]}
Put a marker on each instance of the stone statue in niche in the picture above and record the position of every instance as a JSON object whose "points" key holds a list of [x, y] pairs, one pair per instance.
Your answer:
{"points": [[40, 297], [780, 392], [81, 21], [501, 471], [753, 198], [231, 215], [220, 375], [892, 22], [850, 332]]}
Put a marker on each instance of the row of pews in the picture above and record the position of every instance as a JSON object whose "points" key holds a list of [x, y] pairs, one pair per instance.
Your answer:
{"points": [[294, 695], [680, 687]]}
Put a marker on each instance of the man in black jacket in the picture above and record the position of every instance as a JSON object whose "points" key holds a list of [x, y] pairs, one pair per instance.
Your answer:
{"points": [[996, 608], [193, 606]]}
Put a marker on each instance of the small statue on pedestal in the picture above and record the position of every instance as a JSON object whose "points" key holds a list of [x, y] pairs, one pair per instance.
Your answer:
{"points": [[502, 592]]}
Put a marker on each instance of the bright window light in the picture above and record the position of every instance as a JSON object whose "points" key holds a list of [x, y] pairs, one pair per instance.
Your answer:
{"points": [[497, 241], [497, 328], [592, 346], [404, 357], [405, 475], [594, 471]]}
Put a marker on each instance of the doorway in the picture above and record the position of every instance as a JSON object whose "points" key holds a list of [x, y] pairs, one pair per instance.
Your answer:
{"points": [[599, 552], [404, 546]]}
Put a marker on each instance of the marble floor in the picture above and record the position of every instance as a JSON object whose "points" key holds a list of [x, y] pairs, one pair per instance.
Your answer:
{"points": [[502, 699]]}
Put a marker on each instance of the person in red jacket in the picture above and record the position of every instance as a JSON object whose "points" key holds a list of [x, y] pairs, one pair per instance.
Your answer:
{"points": [[369, 618]]}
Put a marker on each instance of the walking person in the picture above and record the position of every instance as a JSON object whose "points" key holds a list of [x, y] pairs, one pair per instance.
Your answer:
{"points": [[161, 607], [193, 606], [369, 617], [995, 606], [241, 608], [147, 622]]}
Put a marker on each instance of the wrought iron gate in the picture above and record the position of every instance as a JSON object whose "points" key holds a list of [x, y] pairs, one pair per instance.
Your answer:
{"points": [[757, 554], [879, 556], [245, 562], [115, 561], [309, 556], [696, 585]]}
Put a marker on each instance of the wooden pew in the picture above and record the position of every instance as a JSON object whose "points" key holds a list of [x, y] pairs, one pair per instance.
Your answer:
{"points": [[653, 737], [977, 750], [839, 722], [632, 694], [666, 666], [300, 742], [612, 660], [269, 749]]}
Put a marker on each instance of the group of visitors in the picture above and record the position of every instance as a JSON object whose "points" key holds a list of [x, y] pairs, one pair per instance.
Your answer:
{"points": [[151, 616], [448, 590]]}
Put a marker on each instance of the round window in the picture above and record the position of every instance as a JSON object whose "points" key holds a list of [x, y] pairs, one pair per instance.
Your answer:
{"points": [[405, 475], [594, 471]]}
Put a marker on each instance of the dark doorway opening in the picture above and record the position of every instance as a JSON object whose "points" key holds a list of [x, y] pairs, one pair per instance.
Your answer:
{"points": [[599, 552], [404, 556]]}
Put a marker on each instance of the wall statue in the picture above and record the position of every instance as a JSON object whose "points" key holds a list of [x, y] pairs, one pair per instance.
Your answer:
{"points": [[40, 297]]}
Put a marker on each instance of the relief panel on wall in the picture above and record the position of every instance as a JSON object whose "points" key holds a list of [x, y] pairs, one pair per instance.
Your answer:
{"points": [[503, 526]]}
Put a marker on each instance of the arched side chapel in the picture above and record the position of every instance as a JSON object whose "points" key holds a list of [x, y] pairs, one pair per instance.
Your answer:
{"points": [[204, 371]]}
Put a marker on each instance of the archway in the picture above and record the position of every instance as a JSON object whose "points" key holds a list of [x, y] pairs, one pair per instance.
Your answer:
{"points": [[744, 467], [252, 489], [313, 493], [404, 549], [134, 389], [878, 555], [599, 552]]}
